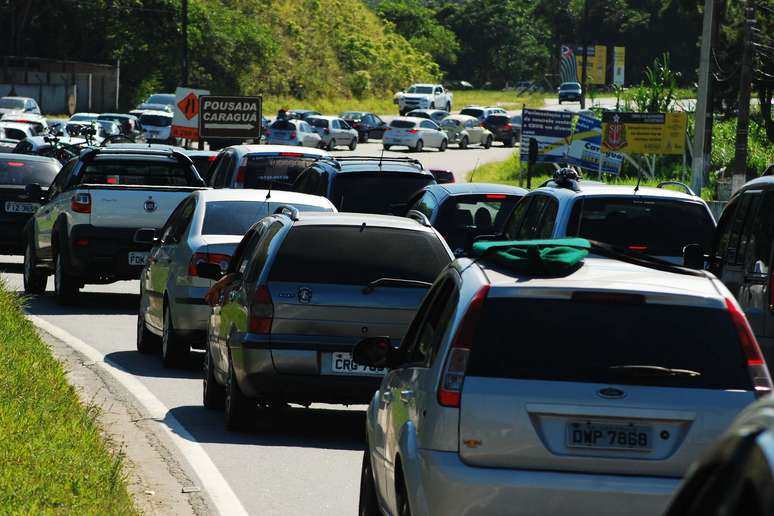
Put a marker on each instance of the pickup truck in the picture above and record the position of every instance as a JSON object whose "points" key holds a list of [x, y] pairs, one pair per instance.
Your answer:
{"points": [[84, 231], [424, 96]]}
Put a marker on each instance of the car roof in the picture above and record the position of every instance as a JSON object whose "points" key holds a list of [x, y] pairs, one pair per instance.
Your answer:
{"points": [[141, 146], [17, 98], [358, 219], [84, 113], [609, 275], [277, 196], [595, 189], [478, 188], [758, 181], [123, 115], [429, 111], [157, 112], [277, 149], [199, 153], [372, 166], [414, 119], [461, 117], [26, 157], [424, 84], [325, 117]]}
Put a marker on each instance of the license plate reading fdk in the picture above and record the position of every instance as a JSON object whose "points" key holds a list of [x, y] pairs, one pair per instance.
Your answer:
{"points": [[138, 258], [600, 436]]}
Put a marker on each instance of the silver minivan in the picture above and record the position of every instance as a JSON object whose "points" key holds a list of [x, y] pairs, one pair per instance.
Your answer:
{"points": [[580, 393]]}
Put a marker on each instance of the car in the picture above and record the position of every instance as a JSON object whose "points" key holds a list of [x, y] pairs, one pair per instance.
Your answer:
{"points": [[158, 102], [534, 380], [506, 129], [292, 132], [24, 181], [333, 132], [289, 318], [380, 185], [17, 130], [741, 255], [424, 96], [18, 105], [482, 112], [297, 114], [84, 117], [130, 124], [570, 91], [203, 161], [151, 107], [157, 127], [414, 133], [273, 167], [38, 123], [43, 145], [462, 212], [367, 125], [736, 475], [206, 227], [656, 221], [465, 130], [436, 115], [85, 230]]}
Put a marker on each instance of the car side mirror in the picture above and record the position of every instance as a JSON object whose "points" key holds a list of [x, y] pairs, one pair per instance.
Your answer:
{"points": [[375, 352], [693, 256], [209, 271], [33, 191], [146, 236]]}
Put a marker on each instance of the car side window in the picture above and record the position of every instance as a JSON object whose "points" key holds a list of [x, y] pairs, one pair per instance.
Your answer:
{"points": [[426, 205], [761, 236], [428, 124], [178, 222], [517, 218], [322, 184], [431, 329], [224, 171], [334, 124], [723, 232], [532, 220], [733, 255], [343, 124], [261, 253], [409, 342], [547, 220], [448, 301], [217, 168], [245, 249], [57, 186], [376, 120]]}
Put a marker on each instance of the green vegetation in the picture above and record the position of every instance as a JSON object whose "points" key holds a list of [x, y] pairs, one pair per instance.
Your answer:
{"points": [[52, 457]]}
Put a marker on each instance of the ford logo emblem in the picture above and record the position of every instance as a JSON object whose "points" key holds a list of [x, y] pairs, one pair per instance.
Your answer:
{"points": [[611, 393], [150, 205]]}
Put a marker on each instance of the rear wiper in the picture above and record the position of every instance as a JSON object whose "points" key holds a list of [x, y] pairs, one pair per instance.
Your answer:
{"points": [[643, 260], [652, 370], [395, 282]]}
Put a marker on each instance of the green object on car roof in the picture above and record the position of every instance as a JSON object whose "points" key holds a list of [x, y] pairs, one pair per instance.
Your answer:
{"points": [[555, 257]]}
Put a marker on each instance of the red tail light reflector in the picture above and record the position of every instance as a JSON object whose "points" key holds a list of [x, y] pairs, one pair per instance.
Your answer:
{"points": [[293, 135], [81, 203], [261, 311], [756, 365], [412, 131], [14, 163], [241, 174], [641, 248], [221, 260], [211, 158]]}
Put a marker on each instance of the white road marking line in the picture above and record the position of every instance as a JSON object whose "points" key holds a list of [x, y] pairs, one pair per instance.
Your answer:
{"points": [[210, 478]]}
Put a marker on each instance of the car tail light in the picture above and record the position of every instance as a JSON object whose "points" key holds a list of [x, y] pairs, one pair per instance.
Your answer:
{"points": [[293, 135], [387, 129], [261, 311], [641, 248], [508, 126], [327, 131], [450, 389], [241, 173], [81, 203], [82, 242], [495, 196], [267, 133], [221, 260], [756, 365], [412, 131], [14, 163], [212, 158]]}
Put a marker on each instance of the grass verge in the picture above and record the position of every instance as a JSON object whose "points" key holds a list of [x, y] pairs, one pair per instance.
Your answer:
{"points": [[52, 456]]}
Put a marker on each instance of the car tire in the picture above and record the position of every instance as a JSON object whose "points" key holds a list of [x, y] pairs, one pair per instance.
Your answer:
{"points": [[448, 107], [443, 146], [387, 147], [237, 405], [419, 146], [508, 142], [174, 350], [368, 503], [34, 280], [65, 286], [353, 144], [432, 105], [147, 342], [464, 142], [488, 142], [401, 496], [213, 394], [364, 137], [330, 146]]}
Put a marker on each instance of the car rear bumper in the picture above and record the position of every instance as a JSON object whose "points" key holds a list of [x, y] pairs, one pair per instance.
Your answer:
{"points": [[569, 96], [448, 486], [409, 141], [103, 253]]}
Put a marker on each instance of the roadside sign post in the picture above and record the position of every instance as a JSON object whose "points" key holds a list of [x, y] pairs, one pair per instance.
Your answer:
{"points": [[533, 154], [230, 117]]}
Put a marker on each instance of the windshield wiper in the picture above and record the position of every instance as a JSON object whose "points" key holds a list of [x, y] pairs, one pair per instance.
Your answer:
{"points": [[395, 282], [652, 370]]}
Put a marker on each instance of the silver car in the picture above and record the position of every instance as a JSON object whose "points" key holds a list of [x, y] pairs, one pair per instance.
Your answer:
{"points": [[334, 132], [465, 130], [580, 392], [414, 133], [292, 132], [205, 228]]}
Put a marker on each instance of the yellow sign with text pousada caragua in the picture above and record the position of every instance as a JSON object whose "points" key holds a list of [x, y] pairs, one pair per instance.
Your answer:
{"points": [[644, 133]]}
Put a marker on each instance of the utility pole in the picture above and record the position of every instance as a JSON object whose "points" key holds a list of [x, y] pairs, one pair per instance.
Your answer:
{"points": [[743, 120], [585, 57], [184, 14], [703, 138]]}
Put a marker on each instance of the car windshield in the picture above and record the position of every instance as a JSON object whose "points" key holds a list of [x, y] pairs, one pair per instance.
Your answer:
{"points": [[156, 120], [498, 120], [18, 171], [520, 338], [161, 98], [463, 218], [652, 225], [357, 255], [420, 89], [278, 172], [472, 112], [318, 122], [402, 124], [11, 103], [135, 173], [570, 86], [387, 193]]}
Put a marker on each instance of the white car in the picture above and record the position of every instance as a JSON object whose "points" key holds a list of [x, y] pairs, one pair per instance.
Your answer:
{"points": [[424, 96], [291, 132], [157, 126], [333, 131], [16, 130], [18, 105], [84, 117], [414, 133]]}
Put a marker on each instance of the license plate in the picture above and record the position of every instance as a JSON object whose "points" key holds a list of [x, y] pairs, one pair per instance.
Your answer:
{"points": [[342, 363], [21, 207], [138, 258], [600, 436]]}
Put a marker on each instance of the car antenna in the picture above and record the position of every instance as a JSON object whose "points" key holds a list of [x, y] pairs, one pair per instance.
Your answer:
{"points": [[639, 178], [470, 179]]}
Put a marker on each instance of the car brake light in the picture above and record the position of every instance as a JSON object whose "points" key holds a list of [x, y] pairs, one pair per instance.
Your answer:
{"points": [[756, 365], [292, 154], [221, 260], [212, 158], [241, 173], [293, 135], [450, 389], [495, 196], [641, 248], [261, 311], [507, 126], [387, 129], [14, 164], [81, 203], [412, 131], [327, 131], [267, 133]]}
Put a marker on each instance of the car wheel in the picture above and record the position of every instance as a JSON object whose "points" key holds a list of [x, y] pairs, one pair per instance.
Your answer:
{"points": [[353, 144], [330, 145], [65, 286], [34, 280], [419, 146], [364, 137], [213, 394], [401, 496], [387, 147], [432, 105], [508, 142], [368, 504], [174, 350], [147, 342], [448, 107], [488, 142], [443, 146], [237, 405], [464, 142]]}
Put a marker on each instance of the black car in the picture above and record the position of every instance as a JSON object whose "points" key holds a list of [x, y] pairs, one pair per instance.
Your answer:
{"points": [[570, 91], [505, 129], [24, 179], [365, 184], [461, 212], [367, 125], [130, 124], [203, 161]]}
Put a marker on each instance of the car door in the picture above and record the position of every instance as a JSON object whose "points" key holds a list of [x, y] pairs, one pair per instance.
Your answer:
{"points": [[474, 131], [377, 127], [46, 215], [731, 268], [758, 238], [344, 132], [430, 133]]}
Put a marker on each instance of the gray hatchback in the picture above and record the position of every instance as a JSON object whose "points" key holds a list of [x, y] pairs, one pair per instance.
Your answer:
{"points": [[302, 289]]}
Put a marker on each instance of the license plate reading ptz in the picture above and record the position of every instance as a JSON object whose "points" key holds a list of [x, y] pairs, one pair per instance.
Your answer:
{"points": [[342, 363], [138, 258], [601, 436]]}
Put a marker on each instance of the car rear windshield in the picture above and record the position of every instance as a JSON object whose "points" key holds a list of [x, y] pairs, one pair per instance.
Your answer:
{"points": [[277, 172], [137, 173], [449, 122], [402, 124], [283, 125], [464, 218], [236, 217], [376, 192], [11, 104], [355, 255], [585, 341], [14, 134], [161, 98], [317, 122], [156, 120], [472, 112], [18, 171], [652, 225], [498, 119]]}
